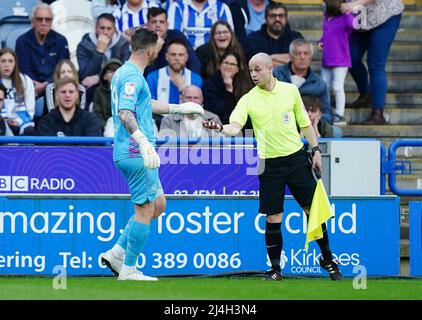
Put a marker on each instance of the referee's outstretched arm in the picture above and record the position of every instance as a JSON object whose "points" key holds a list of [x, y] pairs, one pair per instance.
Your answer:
{"points": [[231, 129]]}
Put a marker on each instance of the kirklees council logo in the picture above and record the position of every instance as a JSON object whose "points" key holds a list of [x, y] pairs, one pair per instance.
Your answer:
{"points": [[298, 261], [28, 184]]}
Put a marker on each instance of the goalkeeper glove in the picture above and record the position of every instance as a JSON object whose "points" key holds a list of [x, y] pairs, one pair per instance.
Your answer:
{"points": [[186, 108], [151, 158]]}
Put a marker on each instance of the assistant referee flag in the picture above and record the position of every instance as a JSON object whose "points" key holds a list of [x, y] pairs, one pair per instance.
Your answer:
{"points": [[320, 212]]}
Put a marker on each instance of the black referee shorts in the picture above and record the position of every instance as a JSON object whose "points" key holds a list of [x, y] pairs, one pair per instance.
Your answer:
{"points": [[295, 170]]}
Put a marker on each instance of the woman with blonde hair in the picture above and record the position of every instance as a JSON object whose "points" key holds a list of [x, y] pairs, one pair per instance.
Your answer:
{"points": [[19, 104], [221, 41], [65, 68]]}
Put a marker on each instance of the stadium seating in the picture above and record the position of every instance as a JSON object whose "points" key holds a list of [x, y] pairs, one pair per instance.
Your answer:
{"points": [[12, 24], [72, 18], [16, 7], [14, 35]]}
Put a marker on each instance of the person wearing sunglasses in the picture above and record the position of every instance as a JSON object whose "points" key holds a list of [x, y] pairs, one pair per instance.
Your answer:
{"points": [[39, 50]]}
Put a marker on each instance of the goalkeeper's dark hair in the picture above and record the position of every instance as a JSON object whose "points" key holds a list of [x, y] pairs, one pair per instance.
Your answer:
{"points": [[143, 39]]}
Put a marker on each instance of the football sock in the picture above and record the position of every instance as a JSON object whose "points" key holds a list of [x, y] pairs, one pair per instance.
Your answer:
{"points": [[274, 242], [122, 241], [323, 244], [137, 237]]}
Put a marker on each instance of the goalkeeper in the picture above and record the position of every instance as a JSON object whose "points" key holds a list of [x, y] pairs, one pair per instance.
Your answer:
{"points": [[134, 153], [274, 108]]}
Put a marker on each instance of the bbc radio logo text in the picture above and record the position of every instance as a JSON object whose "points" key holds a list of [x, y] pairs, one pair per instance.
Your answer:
{"points": [[26, 184]]}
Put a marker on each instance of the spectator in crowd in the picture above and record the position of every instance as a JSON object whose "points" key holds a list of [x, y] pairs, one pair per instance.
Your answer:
{"points": [[374, 36], [335, 46], [166, 83], [96, 48], [39, 50], [4, 128], [221, 41], [299, 72], [248, 17], [190, 125], [224, 89], [19, 99], [67, 119], [98, 7], [314, 108], [102, 97], [132, 15], [65, 68], [196, 17], [157, 21], [274, 37]]}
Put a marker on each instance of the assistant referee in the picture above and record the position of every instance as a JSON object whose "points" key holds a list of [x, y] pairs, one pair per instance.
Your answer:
{"points": [[274, 108]]}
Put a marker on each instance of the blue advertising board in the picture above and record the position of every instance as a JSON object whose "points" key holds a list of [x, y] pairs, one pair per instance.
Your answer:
{"points": [[194, 236], [184, 170], [415, 238]]}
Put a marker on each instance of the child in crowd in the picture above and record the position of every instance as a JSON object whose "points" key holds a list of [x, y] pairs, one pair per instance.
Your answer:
{"points": [[102, 97], [336, 59], [314, 108]]}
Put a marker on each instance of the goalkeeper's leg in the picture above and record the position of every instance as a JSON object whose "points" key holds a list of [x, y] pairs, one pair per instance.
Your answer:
{"points": [[113, 258]]}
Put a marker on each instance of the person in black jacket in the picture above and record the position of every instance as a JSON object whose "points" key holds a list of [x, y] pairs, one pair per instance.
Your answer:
{"points": [[96, 48], [67, 119], [222, 40], [274, 37], [224, 89], [245, 22], [39, 50]]}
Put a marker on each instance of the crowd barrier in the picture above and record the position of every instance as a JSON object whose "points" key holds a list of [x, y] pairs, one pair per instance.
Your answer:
{"points": [[415, 238]]}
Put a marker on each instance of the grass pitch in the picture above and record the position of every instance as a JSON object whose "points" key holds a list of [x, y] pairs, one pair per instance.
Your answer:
{"points": [[229, 288]]}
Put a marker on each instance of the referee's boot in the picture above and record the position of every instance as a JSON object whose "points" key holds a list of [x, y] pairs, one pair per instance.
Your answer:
{"points": [[112, 262], [332, 268], [273, 275]]}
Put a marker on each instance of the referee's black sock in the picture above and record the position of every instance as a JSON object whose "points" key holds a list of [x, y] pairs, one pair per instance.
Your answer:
{"points": [[324, 244], [274, 242]]}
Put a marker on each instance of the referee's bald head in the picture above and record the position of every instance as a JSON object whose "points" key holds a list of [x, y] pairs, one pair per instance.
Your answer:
{"points": [[261, 70], [261, 59]]}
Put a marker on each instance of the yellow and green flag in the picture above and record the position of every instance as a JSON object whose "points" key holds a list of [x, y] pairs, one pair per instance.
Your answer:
{"points": [[320, 212]]}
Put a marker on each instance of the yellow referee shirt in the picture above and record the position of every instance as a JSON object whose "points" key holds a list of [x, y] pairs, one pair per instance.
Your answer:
{"points": [[274, 115]]}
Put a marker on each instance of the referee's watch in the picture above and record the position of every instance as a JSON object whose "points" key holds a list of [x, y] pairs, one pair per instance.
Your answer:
{"points": [[315, 149]]}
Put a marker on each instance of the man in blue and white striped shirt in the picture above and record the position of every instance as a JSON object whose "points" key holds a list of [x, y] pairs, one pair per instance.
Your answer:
{"points": [[196, 17], [166, 84], [133, 14]]}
